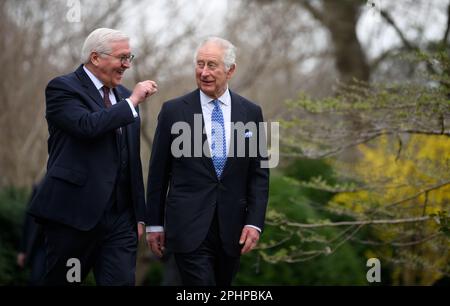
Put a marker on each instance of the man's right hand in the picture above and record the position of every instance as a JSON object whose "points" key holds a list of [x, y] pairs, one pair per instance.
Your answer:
{"points": [[155, 241], [21, 257], [142, 91]]}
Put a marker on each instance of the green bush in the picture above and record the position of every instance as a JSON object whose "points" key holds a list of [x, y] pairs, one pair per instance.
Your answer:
{"points": [[13, 202]]}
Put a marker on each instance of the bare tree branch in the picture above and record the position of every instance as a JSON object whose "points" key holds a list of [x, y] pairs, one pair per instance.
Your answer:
{"points": [[314, 11], [399, 32], [363, 222], [398, 244], [447, 29]]}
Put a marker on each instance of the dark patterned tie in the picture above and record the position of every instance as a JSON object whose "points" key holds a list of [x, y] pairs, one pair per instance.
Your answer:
{"points": [[106, 99], [108, 103]]}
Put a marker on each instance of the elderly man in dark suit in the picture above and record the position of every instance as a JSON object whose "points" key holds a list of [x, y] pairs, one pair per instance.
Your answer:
{"points": [[91, 202], [208, 208]]}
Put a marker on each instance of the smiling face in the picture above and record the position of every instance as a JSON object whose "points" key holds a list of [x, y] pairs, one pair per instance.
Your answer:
{"points": [[108, 68], [210, 72]]}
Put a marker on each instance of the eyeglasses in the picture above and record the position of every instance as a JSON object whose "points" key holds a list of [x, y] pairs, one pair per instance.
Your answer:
{"points": [[123, 59]]}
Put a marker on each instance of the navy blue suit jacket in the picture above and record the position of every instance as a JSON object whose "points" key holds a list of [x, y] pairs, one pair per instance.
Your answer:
{"points": [[83, 152], [184, 192]]}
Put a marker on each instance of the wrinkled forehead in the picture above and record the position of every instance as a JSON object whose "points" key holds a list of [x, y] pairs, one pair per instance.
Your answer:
{"points": [[210, 51], [120, 46]]}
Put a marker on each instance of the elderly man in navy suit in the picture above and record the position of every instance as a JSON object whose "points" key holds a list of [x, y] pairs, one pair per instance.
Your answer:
{"points": [[209, 208], [91, 202]]}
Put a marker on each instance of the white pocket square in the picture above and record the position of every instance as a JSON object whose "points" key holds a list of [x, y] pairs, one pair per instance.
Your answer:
{"points": [[248, 134]]}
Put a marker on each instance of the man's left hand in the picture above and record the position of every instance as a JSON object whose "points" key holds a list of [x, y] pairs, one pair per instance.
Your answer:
{"points": [[249, 238]]}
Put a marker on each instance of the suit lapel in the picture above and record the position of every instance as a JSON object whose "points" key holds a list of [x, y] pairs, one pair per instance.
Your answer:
{"points": [[194, 107], [238, 114], [91, 90]]}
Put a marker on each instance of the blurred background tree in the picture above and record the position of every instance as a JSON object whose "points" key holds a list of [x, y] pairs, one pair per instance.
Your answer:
{"points": [[364, 69]]}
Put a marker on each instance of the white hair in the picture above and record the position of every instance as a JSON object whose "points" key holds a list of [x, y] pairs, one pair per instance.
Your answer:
{"points": [[100, 41], [229, 55]]}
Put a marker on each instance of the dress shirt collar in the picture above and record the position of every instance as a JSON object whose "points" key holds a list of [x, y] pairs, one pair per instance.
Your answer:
{"points": [[98, 84], [225, 98]]}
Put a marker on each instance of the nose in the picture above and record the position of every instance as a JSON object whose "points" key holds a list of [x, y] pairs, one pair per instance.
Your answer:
{"points": [[126, 64], [205, 71]]}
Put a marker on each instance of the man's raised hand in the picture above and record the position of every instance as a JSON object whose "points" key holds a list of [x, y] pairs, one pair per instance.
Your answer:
{"points": [[142, 91]]}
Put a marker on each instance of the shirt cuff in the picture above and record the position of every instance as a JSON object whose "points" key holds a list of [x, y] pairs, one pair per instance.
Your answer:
{"points": [[141, 222], [255, 227], [153, 229], [133, 110]]}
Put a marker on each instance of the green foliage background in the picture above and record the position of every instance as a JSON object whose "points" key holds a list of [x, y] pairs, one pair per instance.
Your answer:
{"points": [[12, 206]]}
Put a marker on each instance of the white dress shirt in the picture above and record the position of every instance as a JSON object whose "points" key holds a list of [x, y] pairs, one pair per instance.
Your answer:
{"points": [[207, 108]]}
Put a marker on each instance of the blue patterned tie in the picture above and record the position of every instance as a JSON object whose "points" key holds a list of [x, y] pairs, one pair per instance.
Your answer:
{"points": [[218, 142]]}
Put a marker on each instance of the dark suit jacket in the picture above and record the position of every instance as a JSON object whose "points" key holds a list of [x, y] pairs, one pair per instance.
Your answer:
{"points": [[184, 192], [83, 151]]}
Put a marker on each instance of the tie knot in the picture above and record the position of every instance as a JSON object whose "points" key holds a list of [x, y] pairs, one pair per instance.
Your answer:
{"points": [[215, 102], [106, 90]]}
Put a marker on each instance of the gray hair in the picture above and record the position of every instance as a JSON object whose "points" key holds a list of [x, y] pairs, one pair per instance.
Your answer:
{"points": [[229, 56], [100, 41]]}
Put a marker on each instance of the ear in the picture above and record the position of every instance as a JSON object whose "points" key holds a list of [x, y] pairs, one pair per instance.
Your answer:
{"points": [[94, 58], [231, 71]]}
